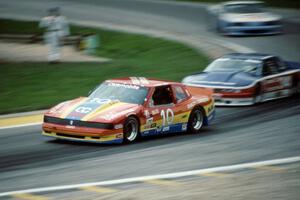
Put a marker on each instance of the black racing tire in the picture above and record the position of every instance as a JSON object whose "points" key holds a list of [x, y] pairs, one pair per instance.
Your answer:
{"points": [[295, 86], [257, 94], [131, 129], [196, 120]]}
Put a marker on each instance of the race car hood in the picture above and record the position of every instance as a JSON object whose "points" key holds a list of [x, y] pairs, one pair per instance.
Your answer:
{"points": [[223, 79], [96, 110], [249, 17]]}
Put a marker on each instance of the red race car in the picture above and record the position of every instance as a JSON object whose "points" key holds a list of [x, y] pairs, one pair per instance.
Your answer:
{"points": [[121, 110]]}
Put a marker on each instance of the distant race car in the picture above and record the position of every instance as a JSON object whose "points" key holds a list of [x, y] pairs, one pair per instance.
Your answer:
{"points": [[121, 110], [244, 18], [246, 79]]}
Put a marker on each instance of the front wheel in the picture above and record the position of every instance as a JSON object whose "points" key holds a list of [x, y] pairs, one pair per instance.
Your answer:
{"points": [[196, 120], [131, 130]]}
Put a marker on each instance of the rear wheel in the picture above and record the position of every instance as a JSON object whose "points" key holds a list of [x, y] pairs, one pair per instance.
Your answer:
{"points": [[258, 97], [295, 86], [131, 130], [196, 120]]}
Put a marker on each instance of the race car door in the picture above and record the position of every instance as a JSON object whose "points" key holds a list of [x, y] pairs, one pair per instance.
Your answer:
{"points": [[162, 110], [276, 83]]}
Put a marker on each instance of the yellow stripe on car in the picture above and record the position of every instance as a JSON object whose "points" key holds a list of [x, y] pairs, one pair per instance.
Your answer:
{"points": [[181, 118], [101, 109]]}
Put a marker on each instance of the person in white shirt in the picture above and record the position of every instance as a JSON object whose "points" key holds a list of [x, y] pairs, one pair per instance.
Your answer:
{"points": [[56, 28]]}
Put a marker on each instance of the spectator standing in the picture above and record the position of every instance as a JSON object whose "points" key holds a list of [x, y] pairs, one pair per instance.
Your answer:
{"points": [[56, 27]]}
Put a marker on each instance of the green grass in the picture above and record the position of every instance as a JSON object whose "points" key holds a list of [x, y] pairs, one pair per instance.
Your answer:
{"points": [[32, 86], [272, 3]]}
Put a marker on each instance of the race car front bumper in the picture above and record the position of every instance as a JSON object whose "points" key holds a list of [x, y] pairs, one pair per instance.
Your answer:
{"points": [[219, 101], [82, 134], [252, 30]]}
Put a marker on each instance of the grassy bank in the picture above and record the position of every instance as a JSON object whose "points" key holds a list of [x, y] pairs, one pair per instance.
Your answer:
{"points": [[272, 3], [32, 86]]}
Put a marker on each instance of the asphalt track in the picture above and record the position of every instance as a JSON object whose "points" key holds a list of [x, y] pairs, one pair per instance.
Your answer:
{"points": [[238, 135], [263, 132]]}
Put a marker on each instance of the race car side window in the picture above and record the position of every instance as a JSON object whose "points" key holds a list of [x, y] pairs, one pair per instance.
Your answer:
{"points": [[179, 93], [280, 64], [162, 96], [270, 67]]}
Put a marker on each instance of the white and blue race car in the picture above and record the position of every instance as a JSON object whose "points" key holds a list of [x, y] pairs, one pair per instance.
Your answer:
{"points": [[237, 18], [244, 79]]}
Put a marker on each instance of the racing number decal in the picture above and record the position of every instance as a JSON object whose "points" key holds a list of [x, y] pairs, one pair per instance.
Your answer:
{"points": [[277, 83], [167, 116]]}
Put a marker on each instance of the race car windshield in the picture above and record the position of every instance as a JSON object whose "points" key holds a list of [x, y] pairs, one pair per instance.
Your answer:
{"points": [[226, 64], [244, 8], [122, 92]]}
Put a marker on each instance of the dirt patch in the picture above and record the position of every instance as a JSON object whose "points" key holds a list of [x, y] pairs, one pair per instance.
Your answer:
{"points": [[17, 52]]}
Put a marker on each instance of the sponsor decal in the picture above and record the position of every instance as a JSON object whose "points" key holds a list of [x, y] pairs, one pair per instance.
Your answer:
{"points": [[155, 112], [124, 85], [144, 80], [149, 121], [139, 80], [184, 127], [280, 83], [147, 113], [153, 125], [118, 126], [167, 128]]}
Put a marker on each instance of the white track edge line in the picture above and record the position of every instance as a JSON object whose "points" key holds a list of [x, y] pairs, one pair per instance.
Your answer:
{"points": [[21, 125], [159, 176]]}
